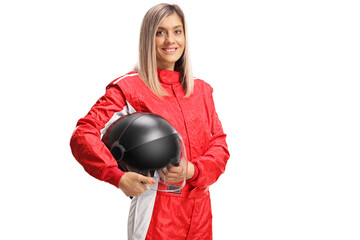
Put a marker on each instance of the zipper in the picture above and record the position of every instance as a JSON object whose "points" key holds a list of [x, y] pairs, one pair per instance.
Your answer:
{"points": [[188, 153]]}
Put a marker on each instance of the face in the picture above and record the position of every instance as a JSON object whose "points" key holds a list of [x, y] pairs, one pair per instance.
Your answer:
{"points": [[170, 42]]}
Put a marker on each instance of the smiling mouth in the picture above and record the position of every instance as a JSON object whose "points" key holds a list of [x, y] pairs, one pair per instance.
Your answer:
{"points": [[169, 50]]}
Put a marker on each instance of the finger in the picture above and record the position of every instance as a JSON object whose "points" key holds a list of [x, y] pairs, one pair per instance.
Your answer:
{"points": [[162, 174], [174, 180], [148, 180], [138, 189], [174, 169], [174, 177], [163, 170], [169, 177]]}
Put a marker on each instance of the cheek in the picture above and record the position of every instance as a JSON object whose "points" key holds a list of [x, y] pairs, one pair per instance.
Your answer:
{"points": [[181, 41], [158, 42]]}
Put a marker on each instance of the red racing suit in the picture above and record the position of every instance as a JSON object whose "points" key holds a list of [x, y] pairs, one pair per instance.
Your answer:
{"points": [[184, 215]]}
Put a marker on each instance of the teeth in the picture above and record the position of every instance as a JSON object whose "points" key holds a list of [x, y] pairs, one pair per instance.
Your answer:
{"points": [[170, 50]]}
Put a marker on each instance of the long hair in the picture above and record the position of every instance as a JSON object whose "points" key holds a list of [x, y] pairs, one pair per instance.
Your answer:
{"points": [[147, 67]]}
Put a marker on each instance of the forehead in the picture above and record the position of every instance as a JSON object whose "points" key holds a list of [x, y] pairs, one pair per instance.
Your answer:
{"points": [[171, 21]]}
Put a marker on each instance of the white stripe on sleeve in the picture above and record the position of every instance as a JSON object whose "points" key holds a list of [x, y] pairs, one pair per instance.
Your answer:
{"points": [[128, 109]]}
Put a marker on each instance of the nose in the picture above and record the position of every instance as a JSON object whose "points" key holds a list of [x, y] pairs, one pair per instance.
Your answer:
{"points": [[169, 38]]}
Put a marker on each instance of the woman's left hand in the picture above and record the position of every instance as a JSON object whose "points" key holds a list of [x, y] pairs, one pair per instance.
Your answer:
{"points": [[175, 174]]}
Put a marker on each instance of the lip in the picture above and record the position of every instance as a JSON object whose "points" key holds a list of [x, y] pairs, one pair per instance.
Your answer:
{"points": [[169, 50]]}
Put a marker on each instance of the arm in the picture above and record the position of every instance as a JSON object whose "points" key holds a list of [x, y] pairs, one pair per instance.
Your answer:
{"points": [[209, 167], [86, 144], [91, 152]]}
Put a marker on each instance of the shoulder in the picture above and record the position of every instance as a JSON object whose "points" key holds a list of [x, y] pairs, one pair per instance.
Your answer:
{"points": [[125, 79], [202, 86]]}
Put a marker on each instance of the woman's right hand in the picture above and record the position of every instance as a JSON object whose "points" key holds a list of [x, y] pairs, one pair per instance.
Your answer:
{"points": [[133, 184]]}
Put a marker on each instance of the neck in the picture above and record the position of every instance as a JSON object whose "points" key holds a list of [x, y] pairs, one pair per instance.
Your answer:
{"points": [[166, 66]]}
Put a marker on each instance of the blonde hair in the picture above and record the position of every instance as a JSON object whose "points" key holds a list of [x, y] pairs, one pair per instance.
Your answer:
{"points": [[147, 66]]}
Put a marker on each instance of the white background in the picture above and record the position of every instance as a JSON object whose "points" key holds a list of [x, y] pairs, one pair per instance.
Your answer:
{"points": [[286, 78]]}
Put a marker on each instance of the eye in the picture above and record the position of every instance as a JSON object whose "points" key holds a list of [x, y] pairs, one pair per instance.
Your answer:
{"points": [[178, 32], [158, 33]]}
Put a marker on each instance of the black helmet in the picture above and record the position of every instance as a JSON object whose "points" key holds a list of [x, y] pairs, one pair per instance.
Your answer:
{"points": [[144, 143]]}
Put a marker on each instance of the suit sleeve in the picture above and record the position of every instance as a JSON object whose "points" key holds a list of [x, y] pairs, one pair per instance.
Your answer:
{"points": [[86, 144], [211, 165]]}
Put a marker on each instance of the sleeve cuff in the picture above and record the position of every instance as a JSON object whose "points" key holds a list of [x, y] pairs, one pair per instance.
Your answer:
{"points": [[112, 175], [196, 175]]}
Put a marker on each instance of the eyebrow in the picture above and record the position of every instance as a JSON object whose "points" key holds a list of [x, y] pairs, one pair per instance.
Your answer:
{"points": [[178, 26]]}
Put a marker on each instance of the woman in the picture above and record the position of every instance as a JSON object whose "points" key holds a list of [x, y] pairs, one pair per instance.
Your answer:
{"points": [[162, 83]]}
